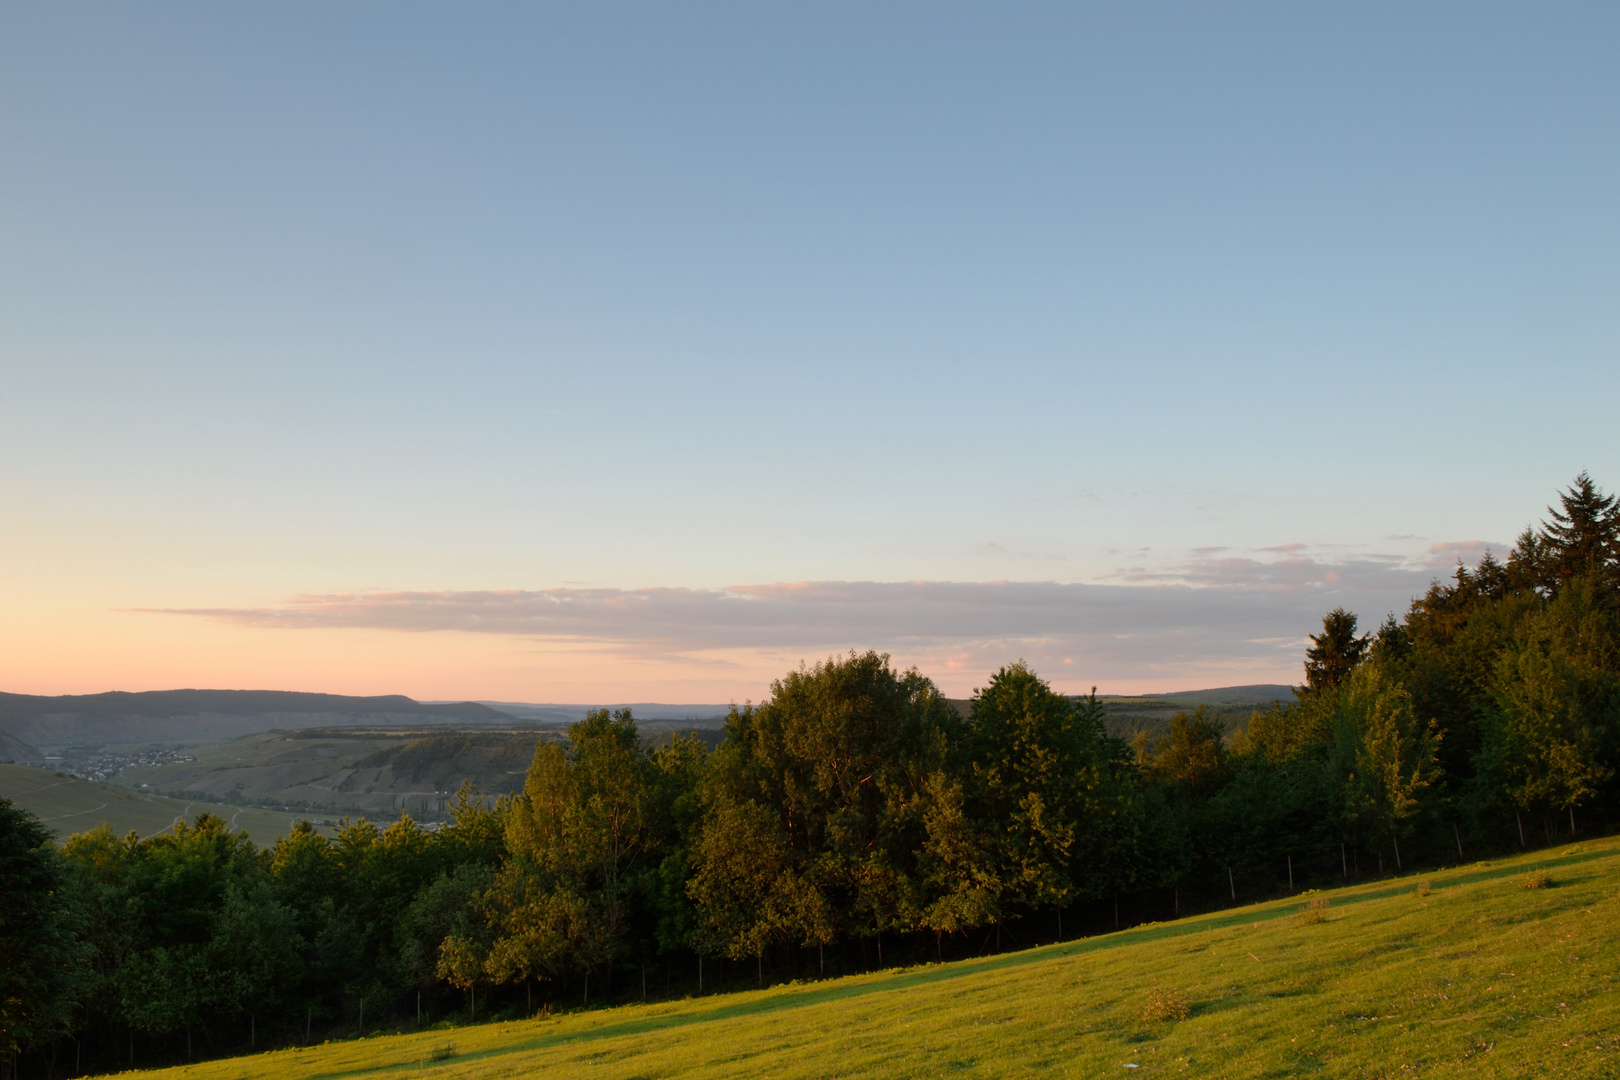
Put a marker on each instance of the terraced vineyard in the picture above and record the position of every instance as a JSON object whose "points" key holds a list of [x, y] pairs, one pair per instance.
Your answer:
{"points": [[1464, 972], [67, 805]]}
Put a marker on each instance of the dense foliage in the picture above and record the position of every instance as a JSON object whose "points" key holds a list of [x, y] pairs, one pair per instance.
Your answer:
{"points": [[853, 810]]}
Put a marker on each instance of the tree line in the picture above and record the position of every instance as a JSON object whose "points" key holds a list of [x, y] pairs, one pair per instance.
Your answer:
{"points": [[852, 819]]}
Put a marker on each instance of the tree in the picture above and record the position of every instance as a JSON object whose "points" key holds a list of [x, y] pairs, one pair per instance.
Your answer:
{"points": [[1555, 705], [42, 962], [1582, 539], [580, 836], [677, 821], [1334, 652], [1036, 765], [252, 955], [1387, 755], [1191, 758], [1583, 536], [830, 775]]}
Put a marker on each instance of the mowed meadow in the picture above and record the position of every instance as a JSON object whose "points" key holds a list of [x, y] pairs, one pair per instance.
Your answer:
{"points": [[1503, 968]]}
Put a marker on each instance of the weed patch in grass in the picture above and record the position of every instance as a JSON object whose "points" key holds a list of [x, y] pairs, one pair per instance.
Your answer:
{"points": [[1315, 912], [1166, 1005], [1536, 879]]}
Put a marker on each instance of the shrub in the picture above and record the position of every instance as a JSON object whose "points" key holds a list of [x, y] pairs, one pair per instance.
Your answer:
{"points": [[1423, 889], [1165, 1004], [1315, 912], [1536, 879], [442, 1053]]}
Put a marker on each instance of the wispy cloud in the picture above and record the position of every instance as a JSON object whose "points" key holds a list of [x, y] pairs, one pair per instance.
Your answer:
{"points": [[1214, 617]]}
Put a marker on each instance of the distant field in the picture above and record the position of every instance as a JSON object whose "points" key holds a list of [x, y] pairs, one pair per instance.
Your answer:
{"points": [[68, 806], [1472, 975]]}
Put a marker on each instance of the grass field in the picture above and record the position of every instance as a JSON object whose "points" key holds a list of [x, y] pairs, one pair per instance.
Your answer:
{"points": [[1462, 972], [68, 805]]}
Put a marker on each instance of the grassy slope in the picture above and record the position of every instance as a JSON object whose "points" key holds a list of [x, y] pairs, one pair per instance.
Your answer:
{"points": [[68, 805], [344, 772], [1480, 978]]}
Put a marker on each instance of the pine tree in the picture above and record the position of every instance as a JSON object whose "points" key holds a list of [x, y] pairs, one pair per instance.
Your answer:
{"points": [[1582, 538], [1335, 652]]}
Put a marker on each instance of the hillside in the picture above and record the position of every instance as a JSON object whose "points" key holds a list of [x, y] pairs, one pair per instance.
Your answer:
{"points": [[69, 805], [1459, 972], [191, 716], [356, 771]]}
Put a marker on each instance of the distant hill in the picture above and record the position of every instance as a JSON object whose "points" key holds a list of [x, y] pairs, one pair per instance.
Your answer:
{"points": [[120, 718], [1259, 695], [1152, 712], [650, 715]]}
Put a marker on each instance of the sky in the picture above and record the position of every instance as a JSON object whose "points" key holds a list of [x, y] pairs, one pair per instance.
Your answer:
{"points": [[642, 352]]}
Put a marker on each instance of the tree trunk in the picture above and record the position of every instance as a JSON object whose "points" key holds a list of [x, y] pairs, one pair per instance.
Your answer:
{"points": [[700, 974], [1344, 863], [587, 987], [1458, 834], [821, 957], [1290, 873], [1572, 821], [1520, 819], [1231, 883], [1116, 911], [1397, 842]]}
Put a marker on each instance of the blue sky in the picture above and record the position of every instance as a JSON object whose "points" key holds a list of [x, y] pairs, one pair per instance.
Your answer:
{"points": [[390, 301]]}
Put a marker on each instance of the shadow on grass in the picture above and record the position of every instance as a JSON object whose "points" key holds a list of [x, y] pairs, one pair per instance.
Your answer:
{"points": [[791, 998]]}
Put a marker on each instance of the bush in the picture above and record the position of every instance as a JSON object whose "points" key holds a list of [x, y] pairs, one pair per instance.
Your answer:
{"points": [[1536, 879], [1423, 889], [1315, 912], [1165, 1004]]}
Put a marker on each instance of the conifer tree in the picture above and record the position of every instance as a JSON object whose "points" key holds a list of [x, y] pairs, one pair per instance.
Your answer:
{"points": [[1334, 652]]}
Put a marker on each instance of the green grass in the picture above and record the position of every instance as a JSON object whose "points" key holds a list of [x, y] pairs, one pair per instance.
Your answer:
{"points": [[68, 805], [1477, 977]]}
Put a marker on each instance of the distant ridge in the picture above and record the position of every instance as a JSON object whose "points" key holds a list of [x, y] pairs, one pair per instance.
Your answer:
{"points": [[646, 712], [1254, 694], [208, 715]]}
